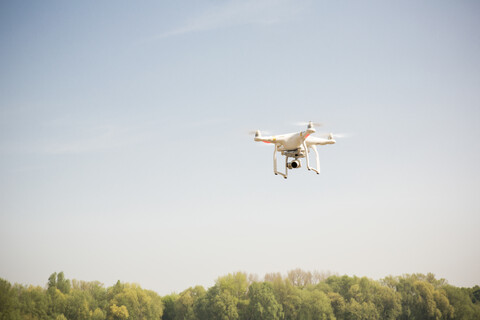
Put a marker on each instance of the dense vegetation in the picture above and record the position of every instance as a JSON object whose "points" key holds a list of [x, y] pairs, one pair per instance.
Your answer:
{"points": [[300, 295]]}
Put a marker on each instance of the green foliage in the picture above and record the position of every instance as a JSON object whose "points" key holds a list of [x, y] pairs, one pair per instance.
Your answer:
{"points": [[169, 306], [63, 284], [185, 303], [288, 295], [9, 305], [77, 307], [59, 282], [98, 314], [475, 294], [300, 295], [118, 313], [140, 303], [78, 300], [227, 299], [464, 302], [423, 297], [360, 311], [262, 304], [33, 301], [338, 304], [57, 302], [315, 306]]}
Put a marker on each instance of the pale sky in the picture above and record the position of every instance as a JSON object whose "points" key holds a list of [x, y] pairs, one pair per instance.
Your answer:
{"points": [[124, 152]]}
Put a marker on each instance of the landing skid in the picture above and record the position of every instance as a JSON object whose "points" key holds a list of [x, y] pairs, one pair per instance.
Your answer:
{"points": [[297, 154], [317, 170], [285, 175]]}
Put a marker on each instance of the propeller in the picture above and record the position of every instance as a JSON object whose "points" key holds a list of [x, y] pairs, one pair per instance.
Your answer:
{"points": [[262, 132], [315, 124], [333, 135]]}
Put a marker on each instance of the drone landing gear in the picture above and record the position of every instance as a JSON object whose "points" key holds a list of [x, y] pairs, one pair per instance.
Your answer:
{"points": [[317, 170], [295, 164], [275, 164]]}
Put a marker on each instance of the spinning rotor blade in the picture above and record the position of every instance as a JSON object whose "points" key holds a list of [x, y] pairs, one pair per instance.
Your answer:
{"points": [[315, 124], [262, 132], [334, 135]]}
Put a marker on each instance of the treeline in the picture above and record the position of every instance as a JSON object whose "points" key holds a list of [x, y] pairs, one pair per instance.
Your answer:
{"points": [[299, 295]]}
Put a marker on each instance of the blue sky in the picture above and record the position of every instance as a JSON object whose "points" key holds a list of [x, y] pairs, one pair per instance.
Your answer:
{"points": [[124, 151]]}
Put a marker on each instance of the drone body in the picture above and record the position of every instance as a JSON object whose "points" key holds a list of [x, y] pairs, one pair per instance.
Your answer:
{"points": [[296, 146]]}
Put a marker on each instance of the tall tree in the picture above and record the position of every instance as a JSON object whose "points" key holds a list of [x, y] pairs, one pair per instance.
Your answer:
{"points": [[140, 303], [169, 306], [263, 304], [288, 296], [185, 303], [315, 306], [9, 304]]}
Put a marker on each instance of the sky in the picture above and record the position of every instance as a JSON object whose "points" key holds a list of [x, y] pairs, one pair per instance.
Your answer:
{"points": [[125, 154]]}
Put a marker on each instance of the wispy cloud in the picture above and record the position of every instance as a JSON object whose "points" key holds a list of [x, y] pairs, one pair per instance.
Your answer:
{"points": [[237, 12]]}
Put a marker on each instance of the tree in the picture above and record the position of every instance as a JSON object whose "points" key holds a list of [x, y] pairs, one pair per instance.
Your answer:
{"points": [[237, 297], [77, 307], [8, 301], [63, 284], [272, 277], [185, 302], [288, 296], [315, 306], [57, 302], [227, 299], [52, 280], [476, 294], [263, 304], [98, 314], [220, 305], [423, 297], [140, 303], [169, 306], [94, 292], [341, 285], [33, 302], [387, 301], [300, 278], [461, 301], [118, 313], [360, 311], [338, 304], [59, 282]]}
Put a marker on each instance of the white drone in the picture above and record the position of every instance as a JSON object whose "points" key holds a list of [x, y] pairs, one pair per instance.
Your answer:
{"points": [[295, 145]]}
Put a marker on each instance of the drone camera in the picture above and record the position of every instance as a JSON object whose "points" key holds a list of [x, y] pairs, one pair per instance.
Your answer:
{"points": [[294, 164]]}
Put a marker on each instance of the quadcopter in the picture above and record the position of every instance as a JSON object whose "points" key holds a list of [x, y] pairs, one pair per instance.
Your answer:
{"points": [[295, 145]]}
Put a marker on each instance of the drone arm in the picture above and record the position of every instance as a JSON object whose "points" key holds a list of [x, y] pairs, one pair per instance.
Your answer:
{"points": [[265, 139], [311, 141]]}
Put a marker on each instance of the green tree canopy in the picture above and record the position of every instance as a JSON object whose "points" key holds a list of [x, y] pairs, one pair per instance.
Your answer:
{"points": [[299, 295], [262, 302]]}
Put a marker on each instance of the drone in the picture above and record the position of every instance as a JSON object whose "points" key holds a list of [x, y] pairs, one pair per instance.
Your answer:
{"points": [[295, 145]]}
